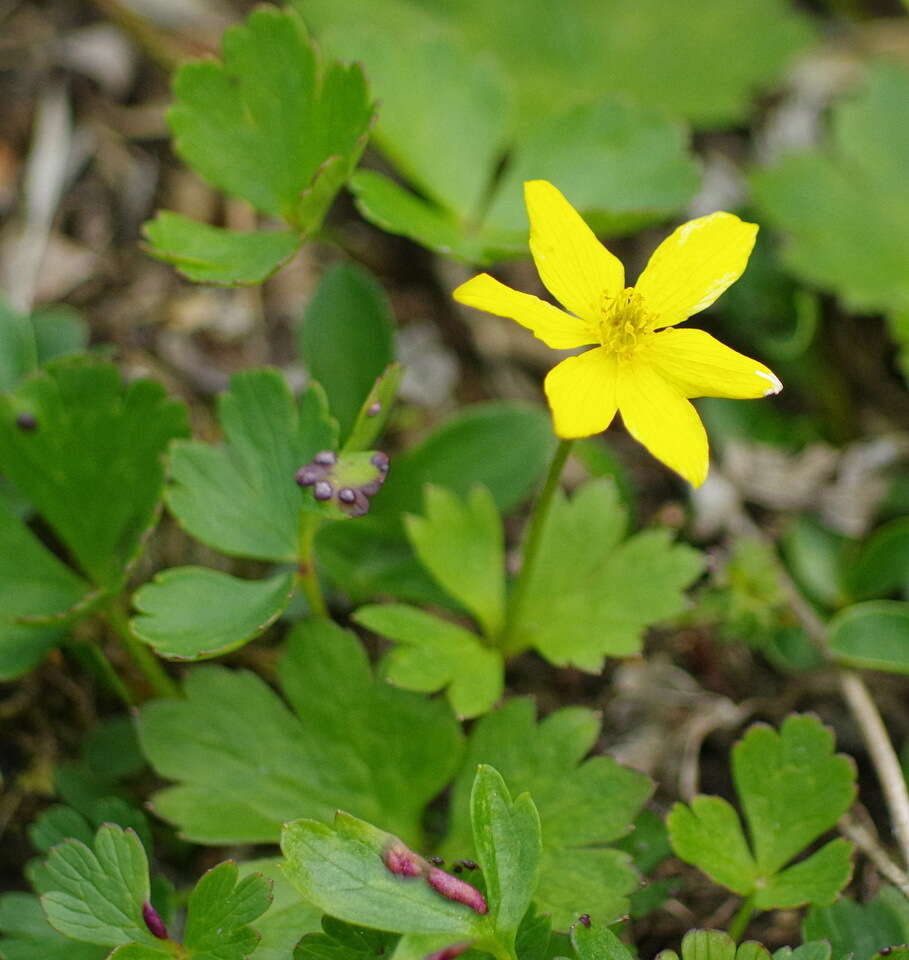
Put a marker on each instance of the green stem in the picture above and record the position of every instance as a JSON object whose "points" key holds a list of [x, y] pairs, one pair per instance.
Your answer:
{"points": [[306, 563], [532, 541], [93, 657], [150, 666], [741, 919]]}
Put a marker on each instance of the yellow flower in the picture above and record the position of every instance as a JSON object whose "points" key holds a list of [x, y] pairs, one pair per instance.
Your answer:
{"points": [[638, 366]]}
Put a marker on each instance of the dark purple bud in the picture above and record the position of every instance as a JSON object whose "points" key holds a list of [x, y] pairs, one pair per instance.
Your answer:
{"points": [[448, 953], [453, 888], [308, 475], [27, 422], [153, 921], [885, 951], [380, 461], [584, 919], [373, 409], [436, 861], [325, 458], [470, 865], [346, 495], [323, 490], [373, 487], [403, 861]]}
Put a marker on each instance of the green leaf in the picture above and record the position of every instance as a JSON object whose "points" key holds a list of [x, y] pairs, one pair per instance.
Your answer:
{"points": [[433, 654], [26, 934], [595, 942], [18, 351], [34, 584], [715, 945], [192, 613], [462, 544], [215, 255], [502, 446], [844, 207], [873, 635], [815, 950], [860, 930], [592, 594], [245, 763], [506, 836], [792, 789], [708, 833], [288, 917], [240, 497], [96, 893], [271, 124], [646, 52], [92, 464], [623, 166], [220, 909], [881, 564], [346, 338], [342, 941], [341, 869], [584, 805]]}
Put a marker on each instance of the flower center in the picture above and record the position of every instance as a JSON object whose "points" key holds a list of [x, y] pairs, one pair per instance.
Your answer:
{"points": [[623, 321]]}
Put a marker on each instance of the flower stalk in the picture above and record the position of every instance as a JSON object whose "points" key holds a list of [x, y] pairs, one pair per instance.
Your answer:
{"points": [[532, 543]]}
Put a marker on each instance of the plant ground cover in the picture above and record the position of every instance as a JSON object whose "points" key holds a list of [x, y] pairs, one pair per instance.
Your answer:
{"points": [[332, 623]]}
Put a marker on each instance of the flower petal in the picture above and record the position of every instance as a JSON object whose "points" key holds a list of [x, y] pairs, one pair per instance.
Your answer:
{"points": [[553, 326], [575, 267], [694, 265], [582, 393], [700, 366], [657, 415]]}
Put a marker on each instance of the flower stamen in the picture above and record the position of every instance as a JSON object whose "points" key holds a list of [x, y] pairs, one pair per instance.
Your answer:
{"points": [[623, 321]]}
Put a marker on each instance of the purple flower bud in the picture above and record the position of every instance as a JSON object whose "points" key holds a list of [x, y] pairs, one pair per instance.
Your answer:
{"points": [[436, 861], [402, 861], [380, 461], [308, 475], [27, 422], [453, 888], [153, 921], [584, 919], [470, 865], [323, 490], [448, 953], [373, 409], [325, 458], [346, 495]]}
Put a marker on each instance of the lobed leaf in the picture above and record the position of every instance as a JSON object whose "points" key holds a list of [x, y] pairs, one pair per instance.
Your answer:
{"points": [[92, 463], [240, 497], [268, 123], [214, 255], [462, 544], [792, 789], [245, 762], [433, 654], [192, 613], [584, 805], [96, 892], [592, 593]]}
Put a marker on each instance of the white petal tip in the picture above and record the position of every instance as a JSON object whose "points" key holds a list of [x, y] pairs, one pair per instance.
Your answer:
{"points": [[775, 383]]}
